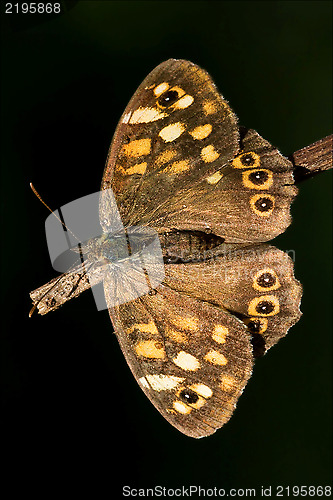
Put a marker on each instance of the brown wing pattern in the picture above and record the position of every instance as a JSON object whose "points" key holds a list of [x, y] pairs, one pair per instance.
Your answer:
{"points": [[255, 283], [157, 149], [190, 344], [177, 162], [248, 200], [191, 358]]}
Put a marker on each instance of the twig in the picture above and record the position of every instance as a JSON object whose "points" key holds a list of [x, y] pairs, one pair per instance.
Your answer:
{"points": [[312, 159]]}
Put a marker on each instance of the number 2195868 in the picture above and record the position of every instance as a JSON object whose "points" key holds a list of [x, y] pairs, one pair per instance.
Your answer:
{"points": [[33, 8]]}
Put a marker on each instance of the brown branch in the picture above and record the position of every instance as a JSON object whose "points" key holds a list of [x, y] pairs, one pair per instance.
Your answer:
{"points": [[312, 159]]}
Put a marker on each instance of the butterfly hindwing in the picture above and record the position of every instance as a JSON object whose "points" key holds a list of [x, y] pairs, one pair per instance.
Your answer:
{"points": [[247, 200], [254, 283]]}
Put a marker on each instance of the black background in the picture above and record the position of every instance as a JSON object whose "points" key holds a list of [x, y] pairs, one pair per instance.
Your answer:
{"points": [[71, 407]]}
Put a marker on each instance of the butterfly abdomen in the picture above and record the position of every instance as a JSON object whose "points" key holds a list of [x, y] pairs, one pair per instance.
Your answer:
{"points": [[188, 246]]}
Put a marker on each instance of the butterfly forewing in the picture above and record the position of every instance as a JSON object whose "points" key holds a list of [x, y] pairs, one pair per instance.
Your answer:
{"points": [[176, 129]]}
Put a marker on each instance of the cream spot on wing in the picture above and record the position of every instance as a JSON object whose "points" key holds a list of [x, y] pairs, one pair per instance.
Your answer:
{"points": [[139, 168], [216, 358], [184, 102], [187, 323], [165, 156], [144, 328], [228, 383], [163, 382], [162, 87], [177, 167], [127, 117], [182, 408], [186, 361], [202, 131], [215, 178], [150, 349], [146, 115], [172, 132], [139, 147], [209, 154], [142, 381], [202, 389], [210, 107], [219, 334]]}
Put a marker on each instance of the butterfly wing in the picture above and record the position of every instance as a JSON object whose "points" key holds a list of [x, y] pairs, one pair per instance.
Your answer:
{"points": [[190, 344], [154, 149], [254, 283], [179, 138], [178, 162], [247, 200], [168, 341]]}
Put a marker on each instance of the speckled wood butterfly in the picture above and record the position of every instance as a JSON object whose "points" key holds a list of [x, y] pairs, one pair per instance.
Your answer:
{"points": [[180, 164]]}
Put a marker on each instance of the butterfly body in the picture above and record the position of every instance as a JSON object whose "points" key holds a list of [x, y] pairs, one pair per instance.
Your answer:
{"points": [[180, 164], [189, 246], [107, 247]]}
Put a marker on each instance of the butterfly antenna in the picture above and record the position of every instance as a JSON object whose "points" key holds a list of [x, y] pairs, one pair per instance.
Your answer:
{"points": [[32, 310], [55, 215]]}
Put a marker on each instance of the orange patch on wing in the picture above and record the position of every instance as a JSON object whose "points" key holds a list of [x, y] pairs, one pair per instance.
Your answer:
{"points": [[139, 147]]}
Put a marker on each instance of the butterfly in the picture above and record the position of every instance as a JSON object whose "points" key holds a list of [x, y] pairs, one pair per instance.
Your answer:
{"points": [[215, 193]]}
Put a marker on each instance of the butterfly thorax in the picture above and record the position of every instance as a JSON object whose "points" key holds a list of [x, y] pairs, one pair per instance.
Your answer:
{"points": [[106, 248], [116, 247]]}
